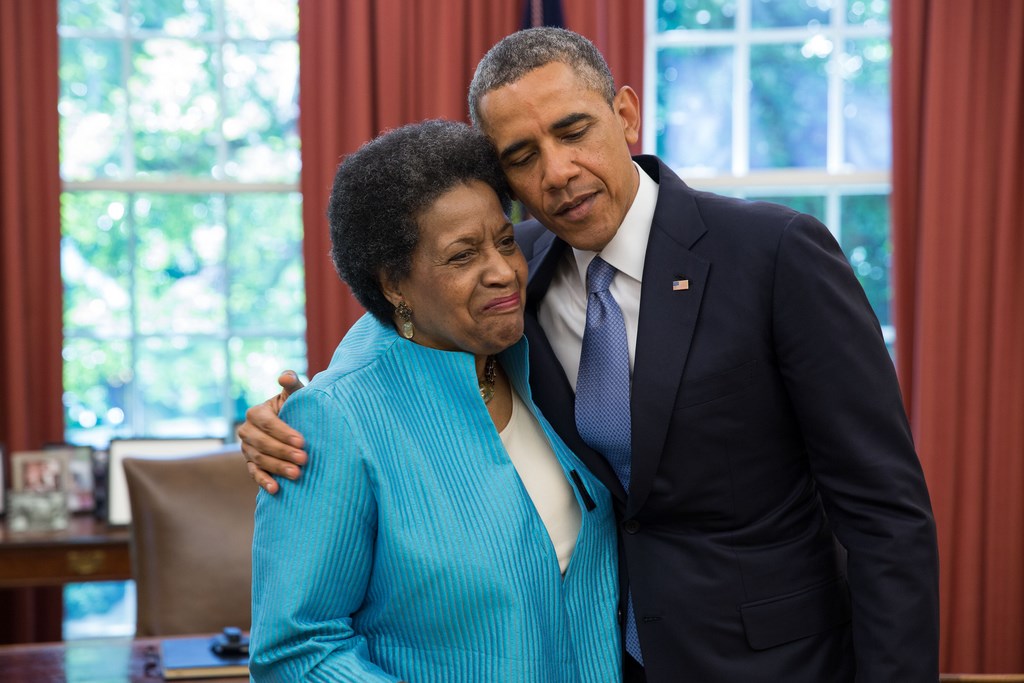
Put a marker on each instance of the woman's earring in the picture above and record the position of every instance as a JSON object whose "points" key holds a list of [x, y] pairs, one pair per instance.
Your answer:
{"points": [[405, 314]]}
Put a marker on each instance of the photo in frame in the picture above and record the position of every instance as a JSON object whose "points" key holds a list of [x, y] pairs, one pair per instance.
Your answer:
{"points": [[82, 486], [40, 482], [41, 471]]}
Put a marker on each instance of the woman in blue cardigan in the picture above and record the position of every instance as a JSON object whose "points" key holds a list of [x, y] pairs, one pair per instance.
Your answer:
{"points": [[441, 531]]}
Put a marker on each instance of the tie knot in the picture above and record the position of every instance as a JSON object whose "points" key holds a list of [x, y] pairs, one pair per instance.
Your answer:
{"points": [[599, 275]]}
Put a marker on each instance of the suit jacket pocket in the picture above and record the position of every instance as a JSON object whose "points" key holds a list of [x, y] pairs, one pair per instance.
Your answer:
{"points": [[705, 389], [790, 617]]}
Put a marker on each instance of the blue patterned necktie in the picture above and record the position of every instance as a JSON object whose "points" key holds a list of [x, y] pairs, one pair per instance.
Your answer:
{"points": [[602, 386], [602, 392]]}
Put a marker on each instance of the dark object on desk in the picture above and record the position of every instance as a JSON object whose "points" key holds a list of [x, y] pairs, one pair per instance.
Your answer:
{"points": [[226, 654], [231, 643], [99, 484]]}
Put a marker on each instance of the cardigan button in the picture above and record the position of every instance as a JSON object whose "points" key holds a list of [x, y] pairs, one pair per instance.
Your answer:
{"points": [[631, 526]]}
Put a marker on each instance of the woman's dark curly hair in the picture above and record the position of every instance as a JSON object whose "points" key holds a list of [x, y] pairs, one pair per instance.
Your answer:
{"points": [[380, 189]]}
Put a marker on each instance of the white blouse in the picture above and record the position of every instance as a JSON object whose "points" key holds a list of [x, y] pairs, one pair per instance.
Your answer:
{"points": [[549, 488]]}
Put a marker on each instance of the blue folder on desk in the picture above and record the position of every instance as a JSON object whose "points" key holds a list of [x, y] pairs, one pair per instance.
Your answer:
{"points": [[184, 658]]}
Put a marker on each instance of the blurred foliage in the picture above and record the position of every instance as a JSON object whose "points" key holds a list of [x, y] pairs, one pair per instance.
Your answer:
{"points": [[865, 241], [788, 107], [696, 14], [694, 107], [84, 599], [180, 308], [867, 104], [712, 15]]}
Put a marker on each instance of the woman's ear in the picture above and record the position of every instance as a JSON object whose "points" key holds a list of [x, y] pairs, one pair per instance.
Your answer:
{"points": [[390, 289]]}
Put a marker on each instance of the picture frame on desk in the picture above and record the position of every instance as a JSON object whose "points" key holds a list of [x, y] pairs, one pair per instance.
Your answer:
{"points": [[40, 482], [119, 512], [44, 471], [82, 482], [37, 511]]}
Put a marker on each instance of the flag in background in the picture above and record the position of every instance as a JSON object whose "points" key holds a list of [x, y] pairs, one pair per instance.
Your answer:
{"points": [[542, 13]]}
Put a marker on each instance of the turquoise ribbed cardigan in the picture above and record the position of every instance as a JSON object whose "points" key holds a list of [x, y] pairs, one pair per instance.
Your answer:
{"points": [[409, 548]]}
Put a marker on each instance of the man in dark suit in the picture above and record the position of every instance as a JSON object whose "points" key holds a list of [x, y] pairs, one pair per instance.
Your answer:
{"points": [[775, 523]]}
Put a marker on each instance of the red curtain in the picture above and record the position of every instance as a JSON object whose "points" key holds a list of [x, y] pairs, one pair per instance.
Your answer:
{"points": [[617, 28], [369, 65], [958, 199], [30, 282]]}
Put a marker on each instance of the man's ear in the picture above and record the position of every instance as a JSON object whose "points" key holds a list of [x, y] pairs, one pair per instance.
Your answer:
{"points": [[626, 106]]}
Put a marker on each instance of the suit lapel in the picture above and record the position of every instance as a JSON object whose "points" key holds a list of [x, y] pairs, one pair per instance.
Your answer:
{"points": [[668, 318]]}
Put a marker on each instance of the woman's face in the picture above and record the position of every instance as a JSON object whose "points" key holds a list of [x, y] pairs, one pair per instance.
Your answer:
{"points": [[467, 285]]}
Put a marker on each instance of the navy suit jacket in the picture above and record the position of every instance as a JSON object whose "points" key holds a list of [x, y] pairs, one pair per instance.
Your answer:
{"points": [[778, 526]]}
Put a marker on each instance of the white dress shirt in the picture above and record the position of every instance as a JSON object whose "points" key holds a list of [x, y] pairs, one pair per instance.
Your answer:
{"points": [[563, 311]]}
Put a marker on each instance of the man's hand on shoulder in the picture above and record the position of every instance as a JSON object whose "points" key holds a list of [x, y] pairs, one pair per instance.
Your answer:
{"points": [[269, 445]]}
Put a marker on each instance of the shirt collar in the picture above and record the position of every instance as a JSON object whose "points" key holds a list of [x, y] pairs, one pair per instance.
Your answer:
{"points": [[628, 248]]}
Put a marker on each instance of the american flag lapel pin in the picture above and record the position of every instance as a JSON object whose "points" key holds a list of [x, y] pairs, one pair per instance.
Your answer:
{"points": [[680, 285]]}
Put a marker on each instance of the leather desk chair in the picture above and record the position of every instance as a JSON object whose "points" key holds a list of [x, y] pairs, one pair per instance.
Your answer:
{"points": [[191, 542]]}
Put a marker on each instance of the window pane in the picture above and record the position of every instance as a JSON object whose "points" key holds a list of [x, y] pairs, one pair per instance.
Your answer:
{"points": [[175, 17], [179, 269], [265, 264], [865, 240], [92, 109], [261, 111], [173, 108], [96, 263], [98, 609], [91, 14], [868, 12], [696, 14], [775, 14], [264, 19], [868, 139], [694, 119], [181, 385], [97, 375], [255, 365], [789, 105]]}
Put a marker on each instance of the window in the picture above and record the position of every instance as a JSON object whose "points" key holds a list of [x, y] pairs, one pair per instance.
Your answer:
{"points": [[181, 221], [782, 100], [181, 216]]}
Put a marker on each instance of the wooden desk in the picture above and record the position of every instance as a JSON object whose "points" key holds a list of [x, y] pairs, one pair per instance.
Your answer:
{"points": [[87, 661], [87, 550], [126, 660]]}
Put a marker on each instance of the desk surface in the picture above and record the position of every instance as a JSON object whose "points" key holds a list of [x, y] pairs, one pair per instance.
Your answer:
{"points": [[88, 550], [120, 660], [126, 660]]}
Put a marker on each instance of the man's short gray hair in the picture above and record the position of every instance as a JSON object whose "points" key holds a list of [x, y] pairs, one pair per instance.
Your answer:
{"points": [[521, 52]]}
